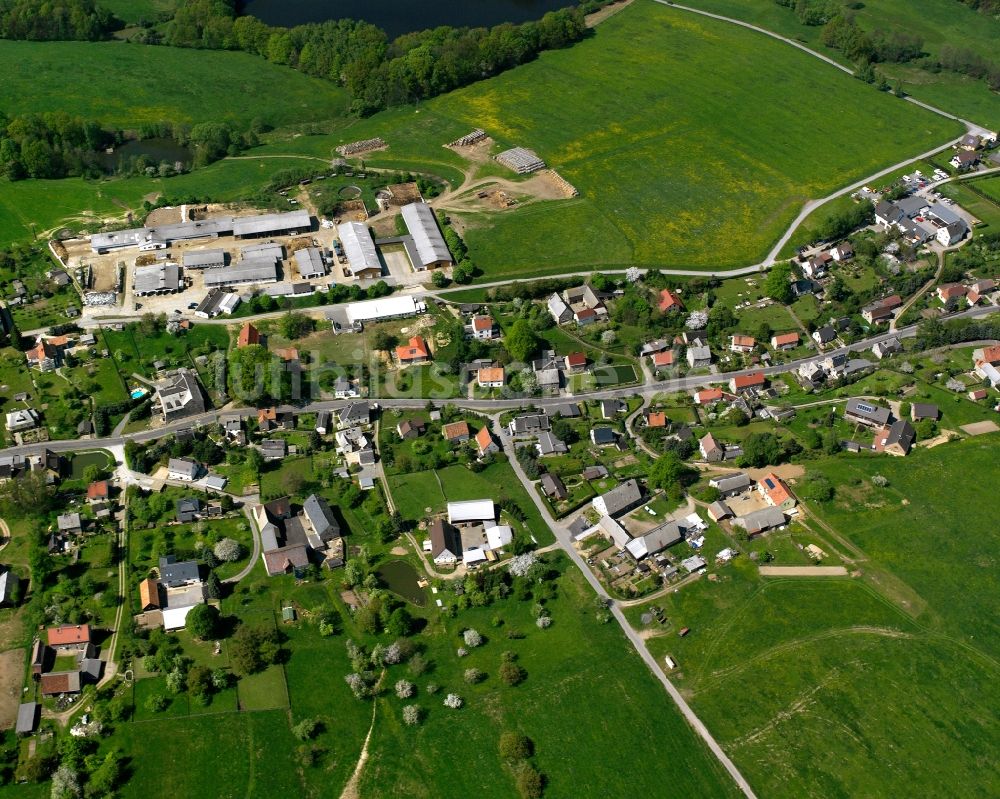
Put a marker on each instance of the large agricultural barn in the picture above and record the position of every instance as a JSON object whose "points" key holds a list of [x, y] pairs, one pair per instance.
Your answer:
{"points": [[432, 251], [158, 238]]}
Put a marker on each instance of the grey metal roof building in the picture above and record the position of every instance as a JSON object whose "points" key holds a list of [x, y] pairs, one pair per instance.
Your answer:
{"points": [[180, 395], [175, 572], [760, 520], [431, 247], [156, 279], [321, 519], [270, 249], [271, 224], [309, 262], [359, 246], [866, 412], [203, 259], [731, 484], [179, 231], [619, 499], [247, 271], [217, 301], [27, 718], [659, 538]]}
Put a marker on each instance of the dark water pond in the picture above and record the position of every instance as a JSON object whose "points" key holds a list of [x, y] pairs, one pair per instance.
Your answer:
{"points": [[397, 17], [156, 150], [402, 578]]}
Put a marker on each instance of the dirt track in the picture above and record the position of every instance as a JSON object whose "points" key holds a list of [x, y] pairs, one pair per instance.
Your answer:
{"points": [[803, 571]]}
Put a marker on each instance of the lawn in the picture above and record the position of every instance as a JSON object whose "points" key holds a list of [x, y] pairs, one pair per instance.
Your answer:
{"points": [[126, 85], [236, 754], [582, 676], [986, 209], [877, 686], [936, 23]]}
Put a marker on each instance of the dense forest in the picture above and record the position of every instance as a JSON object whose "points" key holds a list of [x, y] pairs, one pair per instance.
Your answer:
{"points": [[54, 19], [58, 145]]}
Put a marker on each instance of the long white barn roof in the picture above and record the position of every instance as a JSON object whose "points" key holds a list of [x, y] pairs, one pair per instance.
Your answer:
{"points": [[359, 246], [472, 510], [420, 221], [383, 308]]}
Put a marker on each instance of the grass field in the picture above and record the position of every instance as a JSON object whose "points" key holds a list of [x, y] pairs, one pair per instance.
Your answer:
{"points": [[986, 209], [937, 22], [581, 677], [127, 84], [874, 686], [673, 160]]}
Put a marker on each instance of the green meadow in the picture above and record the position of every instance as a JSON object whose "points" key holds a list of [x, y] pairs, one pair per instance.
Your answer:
{"points": [[883, 684], [937, 22], [697, 144], [125, 85]]}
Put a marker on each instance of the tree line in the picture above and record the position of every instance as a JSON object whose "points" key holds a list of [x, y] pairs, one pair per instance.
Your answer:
{"points": [[55, 19], [865, 48], [377, 73]]}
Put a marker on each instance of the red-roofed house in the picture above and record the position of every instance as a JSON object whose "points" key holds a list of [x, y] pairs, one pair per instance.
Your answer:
{"points": [[990, 355], [287, 354], [248, 335], [776, 492], [670, 301], [950, 291], [414, 351], [576, 362], [485, 442], [742, 343], [663, 359], [491, 377], [456, 432], [785, 341], [43, 356], [69, 636], [656, 419], [707, 396], [98, 491], [743, 382], [483, 327]]}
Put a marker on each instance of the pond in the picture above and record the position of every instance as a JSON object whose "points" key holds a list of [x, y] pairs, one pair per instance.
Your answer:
{"points": [[397, 17], [156, 150], [401, 578], [80, 462]]}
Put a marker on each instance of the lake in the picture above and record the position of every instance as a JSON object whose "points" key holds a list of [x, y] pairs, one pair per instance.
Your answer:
{"points": [[156, 149], [401, 578], [397, 17]]}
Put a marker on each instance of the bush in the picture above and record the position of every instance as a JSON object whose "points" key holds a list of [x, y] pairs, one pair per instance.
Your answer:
{"points": [[306, 729], [514, 746], [512, 674], [529, 782], [411, 715], [473, 676], [544, 622]]}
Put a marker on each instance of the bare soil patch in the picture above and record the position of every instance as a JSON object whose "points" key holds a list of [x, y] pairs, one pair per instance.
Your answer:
{"points": [[803, 571], [980, 428], [11, 675]]}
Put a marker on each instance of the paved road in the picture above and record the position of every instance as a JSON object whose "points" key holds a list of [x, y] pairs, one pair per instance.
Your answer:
{"points": [[564, 539], [687, 383]]}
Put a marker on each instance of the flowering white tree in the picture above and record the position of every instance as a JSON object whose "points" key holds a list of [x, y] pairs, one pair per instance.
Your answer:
{"points": [[461, 651], [454, 701], [65, 783], [608, 337], [404, 689], [392, 654], [473, 676], [228, 550], [411, 715], [472, 638], [632, 274], [357, 685], [697, 320], [543, 622], [520, 565]]}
